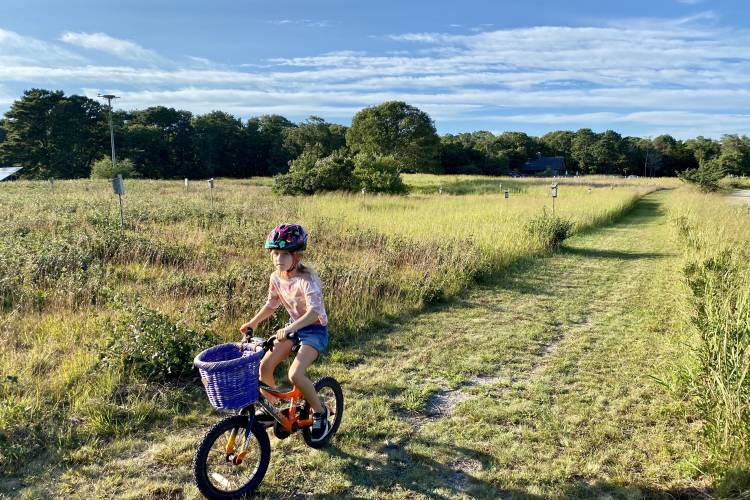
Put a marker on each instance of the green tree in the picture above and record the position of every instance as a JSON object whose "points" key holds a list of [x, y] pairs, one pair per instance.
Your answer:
{"points": [[160, 142], [271, 129], [396, 129], [706, 176], [220, 145], [559, 143], [582, 151], [675, 157], [517, 147], [314, 133], [48, 134], [608, 153], [735, 154], [703, 148]]}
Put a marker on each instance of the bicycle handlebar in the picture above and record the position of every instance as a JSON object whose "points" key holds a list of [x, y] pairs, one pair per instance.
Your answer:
{"points": [[269, 343]]}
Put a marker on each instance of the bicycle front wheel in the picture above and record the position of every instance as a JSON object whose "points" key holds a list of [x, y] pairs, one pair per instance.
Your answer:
{"points": [[231, 460]]}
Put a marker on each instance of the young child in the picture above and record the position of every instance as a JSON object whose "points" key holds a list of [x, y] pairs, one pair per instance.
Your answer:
{"points": [[298, 289]]}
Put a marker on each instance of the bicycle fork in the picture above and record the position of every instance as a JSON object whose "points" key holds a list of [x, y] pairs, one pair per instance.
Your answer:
{"points": [[239, 457]]}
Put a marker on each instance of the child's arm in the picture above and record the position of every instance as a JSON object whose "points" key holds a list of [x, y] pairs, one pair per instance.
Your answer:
{"points": [[307, 319], [263, 314]]}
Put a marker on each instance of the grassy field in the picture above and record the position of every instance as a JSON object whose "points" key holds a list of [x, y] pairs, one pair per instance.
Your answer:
{"points": [[186, 274]]}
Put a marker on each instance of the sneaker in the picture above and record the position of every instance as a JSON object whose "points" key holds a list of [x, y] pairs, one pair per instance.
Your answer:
{"points": [[320, 425]]}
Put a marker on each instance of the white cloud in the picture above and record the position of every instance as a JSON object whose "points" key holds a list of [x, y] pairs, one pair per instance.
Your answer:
{"points": [[689, 68], [690, 2], [124, 49], [16, 49]]}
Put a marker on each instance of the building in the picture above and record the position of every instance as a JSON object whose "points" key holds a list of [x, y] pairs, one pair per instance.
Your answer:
{"points": [[555, 164]]}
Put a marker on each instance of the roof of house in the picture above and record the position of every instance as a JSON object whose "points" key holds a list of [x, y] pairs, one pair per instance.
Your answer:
{"points": [[544, 162], [7, 172]]}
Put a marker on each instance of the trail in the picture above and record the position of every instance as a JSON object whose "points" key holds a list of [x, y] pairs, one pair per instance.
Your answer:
{"points": [[537, 384]]}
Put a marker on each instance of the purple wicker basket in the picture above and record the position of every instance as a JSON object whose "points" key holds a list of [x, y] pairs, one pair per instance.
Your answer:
{"points": [[229, 375]]}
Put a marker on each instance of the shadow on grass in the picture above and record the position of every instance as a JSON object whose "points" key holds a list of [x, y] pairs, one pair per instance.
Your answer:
{"points": [[398, 467], [596, 253]]}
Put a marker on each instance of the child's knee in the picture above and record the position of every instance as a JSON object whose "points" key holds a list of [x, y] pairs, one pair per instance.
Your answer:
{"points": [[296, 374]]}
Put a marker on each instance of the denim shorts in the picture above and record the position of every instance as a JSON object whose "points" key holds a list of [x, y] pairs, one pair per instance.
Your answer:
{"points": [[316, 336]]}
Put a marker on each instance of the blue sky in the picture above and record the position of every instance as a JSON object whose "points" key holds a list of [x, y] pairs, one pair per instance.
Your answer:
{"points": [[638, 67]]}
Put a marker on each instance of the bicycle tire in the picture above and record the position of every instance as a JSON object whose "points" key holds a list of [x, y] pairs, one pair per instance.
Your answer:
{"points": [[332, 384], [200, 461]]}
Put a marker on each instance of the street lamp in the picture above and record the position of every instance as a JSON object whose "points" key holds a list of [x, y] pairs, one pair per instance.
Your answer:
{"points": [[109, 98]]}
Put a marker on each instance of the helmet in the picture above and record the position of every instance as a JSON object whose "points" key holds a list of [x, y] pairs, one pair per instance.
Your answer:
{"points": [[291, 237]]}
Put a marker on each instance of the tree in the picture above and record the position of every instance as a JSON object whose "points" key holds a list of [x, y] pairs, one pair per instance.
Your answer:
{"points": [[703, 148], [559, 143], [608, 154], [314, 133], [675, 156], [517, 147], [396, 129], [160, 142], [735, 154], [706, 176], [48, 134], [582, 150], [219, 141], [271, 132]]}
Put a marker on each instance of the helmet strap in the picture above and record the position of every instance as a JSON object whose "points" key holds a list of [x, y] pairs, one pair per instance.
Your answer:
{"points": [[295, 261]]}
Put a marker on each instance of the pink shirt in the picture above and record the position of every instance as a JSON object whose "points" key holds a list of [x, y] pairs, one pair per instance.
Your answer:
{"points": [[299, 294]]}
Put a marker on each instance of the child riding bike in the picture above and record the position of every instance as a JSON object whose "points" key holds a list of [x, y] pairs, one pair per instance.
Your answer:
{"points": [[298, 288]]}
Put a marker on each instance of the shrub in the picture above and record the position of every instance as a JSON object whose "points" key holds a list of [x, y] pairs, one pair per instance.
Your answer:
{"points": [[549, 229], [706, 176], [102, 169], [309, 174], [378, 174], [148, 343]]}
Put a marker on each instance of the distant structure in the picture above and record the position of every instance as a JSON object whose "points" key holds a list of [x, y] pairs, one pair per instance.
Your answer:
{"points": [[554, 163], [9, 174]]}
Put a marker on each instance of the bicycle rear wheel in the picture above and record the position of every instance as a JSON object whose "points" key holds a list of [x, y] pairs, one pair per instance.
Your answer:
{"points": [[330, 394], [220, 469]]}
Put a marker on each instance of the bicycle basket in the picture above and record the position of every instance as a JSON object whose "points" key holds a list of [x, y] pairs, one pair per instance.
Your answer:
{"points": [[229, 375]]}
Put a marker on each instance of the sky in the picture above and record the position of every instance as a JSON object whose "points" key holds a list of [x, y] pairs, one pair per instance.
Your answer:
{"points": [[639, 67]]}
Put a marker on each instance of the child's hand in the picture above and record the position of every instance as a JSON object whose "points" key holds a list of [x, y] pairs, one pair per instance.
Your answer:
{"points": [[281, 334]]}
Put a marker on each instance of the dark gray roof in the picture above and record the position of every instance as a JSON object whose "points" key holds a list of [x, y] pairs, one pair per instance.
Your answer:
{"points": [[543, 163]]}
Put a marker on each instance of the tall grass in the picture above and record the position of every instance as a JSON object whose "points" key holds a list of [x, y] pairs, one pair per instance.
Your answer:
{"points": [[72, 284], [716, 237]]}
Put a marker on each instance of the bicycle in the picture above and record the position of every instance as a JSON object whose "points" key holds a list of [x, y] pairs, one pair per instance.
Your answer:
{"points": [[233, 456]]}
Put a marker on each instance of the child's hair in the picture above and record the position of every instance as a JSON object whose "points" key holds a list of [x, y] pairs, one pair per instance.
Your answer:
{"points": [[302, 268]]}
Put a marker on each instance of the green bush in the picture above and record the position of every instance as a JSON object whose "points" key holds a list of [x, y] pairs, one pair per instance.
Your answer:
{"points": [[378, 174], [148, 343], [310, 174], [706, 176], [102, 169], [551, 230]]}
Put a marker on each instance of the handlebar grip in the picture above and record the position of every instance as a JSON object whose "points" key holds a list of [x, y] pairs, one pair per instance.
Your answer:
{"points": [[248, 334]]}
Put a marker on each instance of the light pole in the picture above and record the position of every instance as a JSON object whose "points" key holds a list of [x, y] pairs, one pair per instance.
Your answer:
{"points": [[109, 98], [645, 163]]}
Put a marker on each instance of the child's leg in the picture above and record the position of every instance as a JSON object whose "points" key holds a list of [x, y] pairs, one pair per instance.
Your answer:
{"points": [[271, 360], [297, 376]]}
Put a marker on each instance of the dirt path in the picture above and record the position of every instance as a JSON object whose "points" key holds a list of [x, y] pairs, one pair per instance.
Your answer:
{"points": [[742, 196], [538, 384]]}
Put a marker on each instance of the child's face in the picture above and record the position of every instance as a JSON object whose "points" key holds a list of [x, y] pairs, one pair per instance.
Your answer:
{"points": [[282, 260]]}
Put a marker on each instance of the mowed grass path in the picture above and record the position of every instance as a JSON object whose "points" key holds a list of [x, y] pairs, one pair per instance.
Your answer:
{"points": [[539, 383]]}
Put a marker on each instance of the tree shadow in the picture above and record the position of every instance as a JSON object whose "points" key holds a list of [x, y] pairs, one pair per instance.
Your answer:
{"points": [[612, 254]]}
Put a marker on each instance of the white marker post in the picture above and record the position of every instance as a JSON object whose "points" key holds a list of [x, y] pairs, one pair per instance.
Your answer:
{"points": [[553, 192], [119, 188], [211, 189], [187, 184], [52, 183]]}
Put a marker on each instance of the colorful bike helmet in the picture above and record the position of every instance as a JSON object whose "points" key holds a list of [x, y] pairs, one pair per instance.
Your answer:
{"points": [[291, 237]]}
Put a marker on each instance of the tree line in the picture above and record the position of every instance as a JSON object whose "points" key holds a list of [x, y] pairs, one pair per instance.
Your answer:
{"points": [[50, 134]]}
